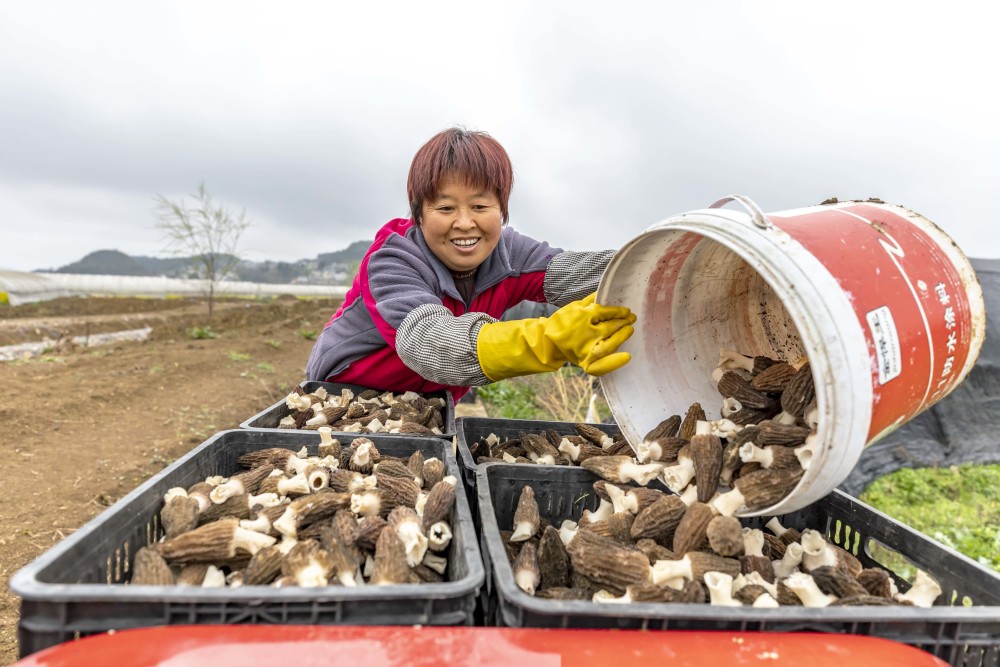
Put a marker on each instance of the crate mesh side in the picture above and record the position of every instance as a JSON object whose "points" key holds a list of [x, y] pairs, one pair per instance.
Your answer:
{"points": [[99, 554], [564, 493], [473, 429]]}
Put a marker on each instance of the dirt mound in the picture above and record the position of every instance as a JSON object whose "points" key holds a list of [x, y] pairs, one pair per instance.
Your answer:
{"points": [[85, 427]]}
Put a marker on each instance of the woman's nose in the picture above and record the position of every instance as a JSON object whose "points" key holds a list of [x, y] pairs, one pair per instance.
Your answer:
{"points": [[464, 218]]}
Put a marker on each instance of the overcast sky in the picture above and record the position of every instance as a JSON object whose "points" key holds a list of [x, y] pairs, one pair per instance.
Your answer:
{"points": [[616, 115]]}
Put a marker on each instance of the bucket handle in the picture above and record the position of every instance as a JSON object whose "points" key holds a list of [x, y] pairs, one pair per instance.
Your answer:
{"points": [[756, 215]]}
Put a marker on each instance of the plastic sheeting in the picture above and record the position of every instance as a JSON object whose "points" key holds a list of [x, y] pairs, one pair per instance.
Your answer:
{"points": [[28, 287]]}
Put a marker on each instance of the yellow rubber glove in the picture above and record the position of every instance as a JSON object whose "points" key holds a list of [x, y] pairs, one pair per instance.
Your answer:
{"points": [[583, 333]]}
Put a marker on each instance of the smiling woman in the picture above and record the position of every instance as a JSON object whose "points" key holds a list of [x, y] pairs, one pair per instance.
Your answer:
{"points": [[422, 313]]}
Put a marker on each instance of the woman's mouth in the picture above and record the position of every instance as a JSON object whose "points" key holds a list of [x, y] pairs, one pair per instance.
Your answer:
{"points": [[464, 245]]}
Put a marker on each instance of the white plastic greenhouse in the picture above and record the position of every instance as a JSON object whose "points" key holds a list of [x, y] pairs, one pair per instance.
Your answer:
{"points": [[18, 287]]}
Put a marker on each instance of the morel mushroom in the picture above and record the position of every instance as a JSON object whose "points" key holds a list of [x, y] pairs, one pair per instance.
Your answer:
{"points": [[212, 542], [527, 575], [526, 517]]}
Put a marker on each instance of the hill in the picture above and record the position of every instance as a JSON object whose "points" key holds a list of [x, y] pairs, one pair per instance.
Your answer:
{"points": [[331, 268], [108, 262]]}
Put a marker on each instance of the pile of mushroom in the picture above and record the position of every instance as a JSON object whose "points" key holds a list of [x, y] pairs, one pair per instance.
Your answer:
{"points": [[755, 453], [370, 411], [551, 448], [646, 545], [350, 516]]}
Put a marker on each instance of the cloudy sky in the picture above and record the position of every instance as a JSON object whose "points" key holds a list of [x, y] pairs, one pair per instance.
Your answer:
{"points": [[616, 115]]}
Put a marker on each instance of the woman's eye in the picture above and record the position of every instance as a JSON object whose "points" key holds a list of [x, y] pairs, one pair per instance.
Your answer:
{"points": [[445, 209]]}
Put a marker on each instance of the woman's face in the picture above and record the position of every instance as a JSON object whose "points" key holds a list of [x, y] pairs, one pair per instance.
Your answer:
{"points": [[462, 224]]}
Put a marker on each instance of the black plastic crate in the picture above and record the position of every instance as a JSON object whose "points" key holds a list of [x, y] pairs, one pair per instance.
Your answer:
{"points": [[472, 429], [74, 588], [962, 635], [268, 419]]}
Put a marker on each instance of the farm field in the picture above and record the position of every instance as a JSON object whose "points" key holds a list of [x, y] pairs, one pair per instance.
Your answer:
{"points": [[84, 426]]}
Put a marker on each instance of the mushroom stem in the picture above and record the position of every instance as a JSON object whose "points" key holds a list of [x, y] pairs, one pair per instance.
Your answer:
{"points": [[789, 563], [923, 592], [619, 501], [258, 525], [435, 562], [765, 600], [251, 541], [806, 452], [729, 503], [366, 503], [731, 360], [214, 578], [439, 536], [724, 428], [641, 474], [804, 586], [720, 589], [690, 494], [298, 485], [607, 597], [785, 418], [730, 406], [602, 513], [571, 450], [678, 476], [662, 570], [567, 531], [816, 551], [647, 451]]}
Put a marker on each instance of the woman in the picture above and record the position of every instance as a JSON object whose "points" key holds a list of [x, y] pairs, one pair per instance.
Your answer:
{"points": [[422, 312]]}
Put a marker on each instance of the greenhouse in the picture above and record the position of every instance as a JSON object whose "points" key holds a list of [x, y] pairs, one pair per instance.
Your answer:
{"points": [[18, 287]]}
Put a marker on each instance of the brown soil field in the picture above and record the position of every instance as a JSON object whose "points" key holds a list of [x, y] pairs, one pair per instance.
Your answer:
{"points": [[84, 426]]}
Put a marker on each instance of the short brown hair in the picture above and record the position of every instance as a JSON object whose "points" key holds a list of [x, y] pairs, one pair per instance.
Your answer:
{"points": [[475, 155]]}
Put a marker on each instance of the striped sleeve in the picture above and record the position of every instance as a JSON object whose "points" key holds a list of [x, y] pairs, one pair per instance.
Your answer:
{"points": [[442, 347], [573, 275]]}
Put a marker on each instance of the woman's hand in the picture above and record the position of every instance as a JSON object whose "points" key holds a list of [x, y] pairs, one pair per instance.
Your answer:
{"points": [[584, 333]]}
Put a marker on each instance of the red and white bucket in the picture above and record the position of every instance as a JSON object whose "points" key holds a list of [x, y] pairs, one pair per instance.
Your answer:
{"points": [[882, 302]]}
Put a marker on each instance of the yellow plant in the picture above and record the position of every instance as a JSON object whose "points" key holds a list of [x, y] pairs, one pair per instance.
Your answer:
{"points": [[566, 395]]}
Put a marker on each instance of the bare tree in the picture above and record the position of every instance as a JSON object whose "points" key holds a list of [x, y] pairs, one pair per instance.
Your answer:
{"points": [[208, 231]]}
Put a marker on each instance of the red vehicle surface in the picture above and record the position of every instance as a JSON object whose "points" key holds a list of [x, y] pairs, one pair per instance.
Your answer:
{"points": [[382, 646]]}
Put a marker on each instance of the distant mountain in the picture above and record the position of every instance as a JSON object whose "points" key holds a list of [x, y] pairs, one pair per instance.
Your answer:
{"points": [[110, 262], [331, 268], [352, 253]]}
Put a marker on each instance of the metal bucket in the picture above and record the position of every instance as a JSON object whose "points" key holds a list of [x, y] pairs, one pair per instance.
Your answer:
{"points": [[882, 302]]}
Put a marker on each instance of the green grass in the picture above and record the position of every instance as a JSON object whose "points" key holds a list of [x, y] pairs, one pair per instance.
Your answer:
{"points": [[201, 333], [957, 506], [239, 356], [510, 399], [308, 334]]}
